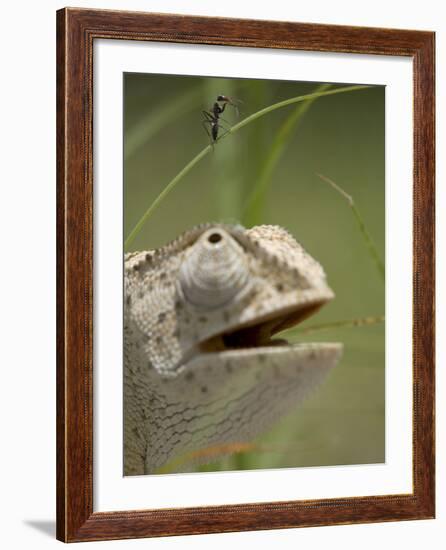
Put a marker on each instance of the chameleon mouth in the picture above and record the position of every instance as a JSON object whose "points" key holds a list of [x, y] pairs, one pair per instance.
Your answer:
{"points": [[260, 332]]}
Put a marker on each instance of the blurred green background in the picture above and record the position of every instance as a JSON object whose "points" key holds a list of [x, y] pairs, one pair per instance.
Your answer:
{"points": [[340, 136]]}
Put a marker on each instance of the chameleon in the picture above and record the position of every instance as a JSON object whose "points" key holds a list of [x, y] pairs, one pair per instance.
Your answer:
{"points": [[203, 365]]}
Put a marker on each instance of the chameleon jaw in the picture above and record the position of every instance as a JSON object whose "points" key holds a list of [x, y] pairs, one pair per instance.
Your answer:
{"points": [[258, 334]]}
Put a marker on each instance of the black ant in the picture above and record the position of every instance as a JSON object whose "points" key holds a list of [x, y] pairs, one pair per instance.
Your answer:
{"points": [[212, 118]]}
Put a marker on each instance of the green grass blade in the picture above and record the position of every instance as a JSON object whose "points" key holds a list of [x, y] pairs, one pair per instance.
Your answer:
{"points": [[360, 221], [233, 130], [226, 188], [256, 139], [164, 194], [254, 207], [291, 101], [361, 322]]}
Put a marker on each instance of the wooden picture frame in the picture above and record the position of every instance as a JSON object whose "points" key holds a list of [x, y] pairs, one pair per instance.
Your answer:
{"points": [[77, 29]]}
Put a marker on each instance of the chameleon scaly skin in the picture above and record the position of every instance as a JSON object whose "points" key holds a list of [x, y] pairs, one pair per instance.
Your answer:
{"points": [[201, 366]]}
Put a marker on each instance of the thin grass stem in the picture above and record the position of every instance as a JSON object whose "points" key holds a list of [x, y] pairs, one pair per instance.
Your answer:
{"points": [[360, 221], [225, 175], [164, 194], [232, 130], [255, 203], [360, 322]]}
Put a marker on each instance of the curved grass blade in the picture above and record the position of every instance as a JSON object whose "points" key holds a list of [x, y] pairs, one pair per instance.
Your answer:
{"points": [[347, 323], [225, 176], [254, 206], [366, 235], [231, 131]]}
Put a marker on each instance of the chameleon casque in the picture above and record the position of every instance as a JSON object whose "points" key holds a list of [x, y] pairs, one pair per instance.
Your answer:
{"points": [[202, 366]]}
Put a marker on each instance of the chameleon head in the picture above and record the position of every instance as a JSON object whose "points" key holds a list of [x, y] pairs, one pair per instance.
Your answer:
{"points": [[238, 288], [203, 316]]}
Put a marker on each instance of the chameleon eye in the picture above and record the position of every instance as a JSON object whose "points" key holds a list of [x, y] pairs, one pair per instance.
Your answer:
{"points": [[214, 238], [214, 270]]}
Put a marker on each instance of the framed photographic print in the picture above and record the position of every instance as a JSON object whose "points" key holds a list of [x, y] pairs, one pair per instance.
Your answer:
{"points": [[245, 275]]}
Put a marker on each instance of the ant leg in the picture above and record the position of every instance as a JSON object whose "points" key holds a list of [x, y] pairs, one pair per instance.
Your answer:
{"points": [[235, 103], [225, 133], [204, 122]]}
